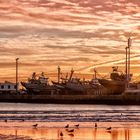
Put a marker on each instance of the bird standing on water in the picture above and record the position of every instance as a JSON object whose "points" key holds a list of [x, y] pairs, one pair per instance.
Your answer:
{"points": [[5, 120], [108, 129], [67, 126], [95, 125], [61, 134], [72, 130], [71, 135], [77, 125], [35, 125]]}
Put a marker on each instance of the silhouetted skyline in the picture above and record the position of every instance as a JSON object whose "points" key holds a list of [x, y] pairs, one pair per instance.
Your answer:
{"points": [[70, 33]]}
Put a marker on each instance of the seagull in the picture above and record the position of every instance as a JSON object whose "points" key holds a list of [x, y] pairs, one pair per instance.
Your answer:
{"points": [[61, 134], [77, 125], [108, 129], [72, 130], [72, 135], [5, 120], [35, 125], [95, 125], [67, 126]]}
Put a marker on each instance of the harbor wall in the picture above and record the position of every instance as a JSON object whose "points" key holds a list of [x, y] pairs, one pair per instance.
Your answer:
{"points": [[72, 99]]}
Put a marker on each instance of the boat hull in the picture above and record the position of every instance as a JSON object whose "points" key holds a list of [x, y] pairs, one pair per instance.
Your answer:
{"points": [[70, 99], [38, 89], [113, 87]]}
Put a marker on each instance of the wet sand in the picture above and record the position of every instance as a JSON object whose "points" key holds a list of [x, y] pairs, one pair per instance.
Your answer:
{"points": [[52, 131]]}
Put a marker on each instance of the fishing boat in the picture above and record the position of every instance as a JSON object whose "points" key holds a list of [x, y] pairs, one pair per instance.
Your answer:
{"points": [[38, 85], [116, 83]]}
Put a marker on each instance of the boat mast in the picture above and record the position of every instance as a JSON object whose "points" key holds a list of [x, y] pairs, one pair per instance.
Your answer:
{"points": [[59, 70], [129, 45], [95, 74], [126, 68], [17, 74], [128, 63], [71, 74]]}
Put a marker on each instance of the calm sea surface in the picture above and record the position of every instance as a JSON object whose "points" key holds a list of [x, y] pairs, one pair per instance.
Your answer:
{"points": [[65, 113]]}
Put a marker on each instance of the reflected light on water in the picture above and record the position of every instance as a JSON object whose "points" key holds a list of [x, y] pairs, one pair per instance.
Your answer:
{"points": [[78, 134]]}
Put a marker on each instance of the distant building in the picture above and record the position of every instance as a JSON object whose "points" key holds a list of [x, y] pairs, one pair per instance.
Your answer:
{"points": [[7, 87]]}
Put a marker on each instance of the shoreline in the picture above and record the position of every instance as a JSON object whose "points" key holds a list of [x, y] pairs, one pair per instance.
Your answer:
{"points": [[101, 125], [49, 132]]}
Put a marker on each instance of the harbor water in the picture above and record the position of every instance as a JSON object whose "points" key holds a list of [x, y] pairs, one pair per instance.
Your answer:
{"points": [[17, 121], [66, 112]]}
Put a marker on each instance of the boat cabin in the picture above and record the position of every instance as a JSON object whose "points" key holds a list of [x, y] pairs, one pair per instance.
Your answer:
{"points": [[7, 87]]}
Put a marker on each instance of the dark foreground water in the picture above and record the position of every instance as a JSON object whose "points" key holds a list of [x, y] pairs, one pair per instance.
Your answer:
{"points": [[17, 120], [74, 113]]}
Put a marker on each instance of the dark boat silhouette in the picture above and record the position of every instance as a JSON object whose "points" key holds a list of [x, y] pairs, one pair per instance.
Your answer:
{"points": [[38, 85], [116, 83], [74, 85]]}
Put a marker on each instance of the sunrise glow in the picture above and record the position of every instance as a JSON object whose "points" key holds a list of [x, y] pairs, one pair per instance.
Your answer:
{"points": [[79, 34]]}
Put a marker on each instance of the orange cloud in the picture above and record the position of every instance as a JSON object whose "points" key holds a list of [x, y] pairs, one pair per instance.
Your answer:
{"points": [[70, 33]]}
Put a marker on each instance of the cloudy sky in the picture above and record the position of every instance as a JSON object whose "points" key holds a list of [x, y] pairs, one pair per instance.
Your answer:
{"points": [[82, 34]]}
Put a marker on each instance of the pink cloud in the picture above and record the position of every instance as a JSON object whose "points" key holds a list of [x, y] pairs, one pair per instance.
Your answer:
{"points": [[88, 29]]}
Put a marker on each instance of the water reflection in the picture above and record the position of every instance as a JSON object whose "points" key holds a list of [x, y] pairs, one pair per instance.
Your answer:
{"points": [[114, 135], [94, 133], [127, 134], [62, 134]]}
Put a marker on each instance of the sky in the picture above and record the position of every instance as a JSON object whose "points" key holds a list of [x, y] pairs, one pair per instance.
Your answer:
{"points": [[78, 34]]}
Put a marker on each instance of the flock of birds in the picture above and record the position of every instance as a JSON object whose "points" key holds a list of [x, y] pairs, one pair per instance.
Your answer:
{"points": [[76, 126], [108, 129], [71, 131], [67, 126]]}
